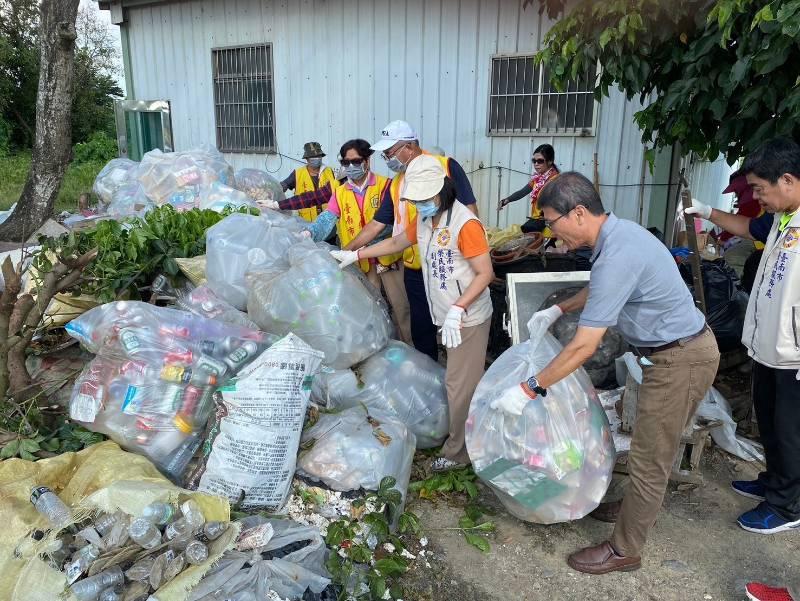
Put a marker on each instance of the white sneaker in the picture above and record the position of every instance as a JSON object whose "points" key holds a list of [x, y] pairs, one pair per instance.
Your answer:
{"points": [[443, 464]]}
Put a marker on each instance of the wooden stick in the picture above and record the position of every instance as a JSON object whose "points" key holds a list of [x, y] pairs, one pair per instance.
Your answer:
{"points": [[694, 257]]}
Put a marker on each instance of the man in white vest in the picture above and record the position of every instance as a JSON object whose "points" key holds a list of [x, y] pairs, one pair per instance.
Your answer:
{"points": [[772, 337]]}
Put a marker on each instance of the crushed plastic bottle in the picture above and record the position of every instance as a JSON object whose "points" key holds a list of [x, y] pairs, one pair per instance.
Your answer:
{"points": [[193, 514], [80, 562], [51, 506], [140, 571], [196, 552], [159, 513], [89, 589], [105, 523], [159, 566], [111, 594], [212, 531], [144, 533], [174, 567]]}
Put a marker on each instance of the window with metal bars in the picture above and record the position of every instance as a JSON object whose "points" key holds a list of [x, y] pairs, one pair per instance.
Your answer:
{"points": [[522, 101], [244, 106]]}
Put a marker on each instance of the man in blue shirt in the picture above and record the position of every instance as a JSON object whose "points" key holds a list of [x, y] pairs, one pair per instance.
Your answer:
{"points": [[635, 286]]}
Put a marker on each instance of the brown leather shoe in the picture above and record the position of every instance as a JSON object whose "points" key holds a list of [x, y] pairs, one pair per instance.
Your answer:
{"points": [[607, 512], [602, 559]]}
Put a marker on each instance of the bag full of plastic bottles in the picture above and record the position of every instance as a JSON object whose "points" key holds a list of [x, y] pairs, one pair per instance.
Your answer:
{"points": [[150, 387], [553, 462], [241, 243], [174, 177], [114, 175], [129, 200], [356, 448], [327, 307], [259, 185], [398, 380], [202, 301], [253, 455], [218, 197]]}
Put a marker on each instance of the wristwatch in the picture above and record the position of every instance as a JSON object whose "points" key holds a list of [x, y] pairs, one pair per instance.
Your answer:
{"points": [[533, 384]]}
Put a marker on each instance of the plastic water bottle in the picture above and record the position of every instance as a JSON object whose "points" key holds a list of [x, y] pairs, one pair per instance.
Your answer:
{"points": [[105, 523], [144, 533], [50, 506], [89, 589], [140, 571], [212, 531], [196, 552], [178, 529], [159, 513], [81, 560], [111, 594]]}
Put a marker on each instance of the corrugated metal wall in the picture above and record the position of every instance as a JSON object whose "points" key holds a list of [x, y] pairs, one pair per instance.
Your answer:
{"points": [[344, 68]]}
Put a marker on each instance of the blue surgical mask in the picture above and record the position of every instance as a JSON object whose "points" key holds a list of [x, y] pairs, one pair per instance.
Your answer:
{"points": [[315, 162], [355, 172], [427, 208], [395, 165]]}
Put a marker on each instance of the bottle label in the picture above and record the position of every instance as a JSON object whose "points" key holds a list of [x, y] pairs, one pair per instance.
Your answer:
{"points": [[84, 408], [132, 403], [74, 571]]}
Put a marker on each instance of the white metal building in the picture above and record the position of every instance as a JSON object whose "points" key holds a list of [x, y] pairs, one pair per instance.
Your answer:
{"points": [[256, 77]]}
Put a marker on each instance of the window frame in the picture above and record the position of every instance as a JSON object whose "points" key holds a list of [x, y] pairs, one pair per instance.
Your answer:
{"points": [[546, 132], [270, 81]]}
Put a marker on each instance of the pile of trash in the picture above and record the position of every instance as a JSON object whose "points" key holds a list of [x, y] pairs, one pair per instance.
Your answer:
{"points": [[198, 178]]}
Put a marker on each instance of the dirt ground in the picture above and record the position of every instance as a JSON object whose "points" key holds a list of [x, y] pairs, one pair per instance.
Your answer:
{"points": [[695, 551]]}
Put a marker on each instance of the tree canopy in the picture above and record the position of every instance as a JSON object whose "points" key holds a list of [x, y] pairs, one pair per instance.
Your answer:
{"points": [[716, 76]]}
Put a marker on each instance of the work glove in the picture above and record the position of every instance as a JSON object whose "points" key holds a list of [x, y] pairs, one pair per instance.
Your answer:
{"points": [[306, 234], [699, 209], [451, 328], [345, 257], [270, 204], [502, 203], [541, 321], [512, 400]]}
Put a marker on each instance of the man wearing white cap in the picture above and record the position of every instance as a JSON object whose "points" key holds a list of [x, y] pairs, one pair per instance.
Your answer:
{"points": [[456, 271], [399, 145]]}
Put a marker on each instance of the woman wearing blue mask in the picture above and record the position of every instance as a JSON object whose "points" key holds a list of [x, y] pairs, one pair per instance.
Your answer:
{"points": [[456, 270]]}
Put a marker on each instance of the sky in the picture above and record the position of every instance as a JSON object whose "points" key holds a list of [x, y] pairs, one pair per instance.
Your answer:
{"points": [[105, 17]]}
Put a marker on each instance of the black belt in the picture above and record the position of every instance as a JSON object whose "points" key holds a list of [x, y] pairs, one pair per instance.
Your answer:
{"points": [[646, 351]]}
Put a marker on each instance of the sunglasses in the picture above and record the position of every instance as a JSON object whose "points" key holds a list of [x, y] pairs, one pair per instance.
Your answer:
{"points": [[538, 161], [348, 162]]}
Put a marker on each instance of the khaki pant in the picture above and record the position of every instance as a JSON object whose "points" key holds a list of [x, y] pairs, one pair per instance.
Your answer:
{"points": [[465, 365], [671, 391], [394, 290]]}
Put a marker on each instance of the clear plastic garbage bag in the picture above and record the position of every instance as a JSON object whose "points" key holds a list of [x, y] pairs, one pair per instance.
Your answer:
{"points": [[241, 243], [327, 307], [259, 185], [114, 175], [217, 197], [150, 387], [178, 177], [398, 380], [553, 463], [202, 301], [354, 449], [129, 200]]}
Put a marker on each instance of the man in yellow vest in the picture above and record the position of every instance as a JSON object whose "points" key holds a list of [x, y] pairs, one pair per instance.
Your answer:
{"points": [[311, 176], [399, 145], [349, 206]]}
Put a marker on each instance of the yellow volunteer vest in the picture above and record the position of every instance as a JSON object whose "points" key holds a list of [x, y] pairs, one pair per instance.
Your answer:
{"points": [[353, 219], [304, 183], [411, 257]]}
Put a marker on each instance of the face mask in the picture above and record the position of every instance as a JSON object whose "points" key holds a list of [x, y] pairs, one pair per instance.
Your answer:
{"points": [[315, 162], [395, 165], [427, 208], [355, 172]]}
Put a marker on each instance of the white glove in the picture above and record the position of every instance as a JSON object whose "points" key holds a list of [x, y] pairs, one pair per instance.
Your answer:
{"points": [[451, 328], [512, 401], [699, 209], [306, 234], [541, 321], [345, 257], [270, 204]]}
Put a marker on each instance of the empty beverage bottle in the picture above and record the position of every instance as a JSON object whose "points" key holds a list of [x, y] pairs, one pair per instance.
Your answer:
{"points": [[212, 531], [140, 571], [89, 589], [105, 523], [80, 562], [51, 506], [174, 567], [159, 513], [111, 594], [144, 533], [196, 552], [193, 514]]}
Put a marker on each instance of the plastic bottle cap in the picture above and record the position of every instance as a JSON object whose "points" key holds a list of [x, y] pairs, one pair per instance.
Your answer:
{"points": [[182, 425]]}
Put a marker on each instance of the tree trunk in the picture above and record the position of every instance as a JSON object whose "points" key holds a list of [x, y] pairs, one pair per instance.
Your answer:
{"points": [[53, 141]]}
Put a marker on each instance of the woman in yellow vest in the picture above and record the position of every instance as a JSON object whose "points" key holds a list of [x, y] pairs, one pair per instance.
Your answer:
{"points": [[351, 205], [311, 176]]}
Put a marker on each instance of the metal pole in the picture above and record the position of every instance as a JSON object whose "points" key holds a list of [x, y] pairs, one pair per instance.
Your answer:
{"points": [[694, 257]]}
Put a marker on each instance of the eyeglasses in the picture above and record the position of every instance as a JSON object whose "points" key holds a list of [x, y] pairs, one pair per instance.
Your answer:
{"points": [[538, 161], [550, 224], [386, 157], [348, 162]]}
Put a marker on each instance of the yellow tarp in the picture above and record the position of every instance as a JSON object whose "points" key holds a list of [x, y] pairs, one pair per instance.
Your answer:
{"points": [[102, 477]]}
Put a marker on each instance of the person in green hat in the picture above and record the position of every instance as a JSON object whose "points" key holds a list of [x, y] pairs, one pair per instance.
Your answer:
{"points": [[311, 176]]}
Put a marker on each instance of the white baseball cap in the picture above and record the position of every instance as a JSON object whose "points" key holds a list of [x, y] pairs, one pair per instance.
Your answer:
{"points": [[424, 178], [394, 132]]}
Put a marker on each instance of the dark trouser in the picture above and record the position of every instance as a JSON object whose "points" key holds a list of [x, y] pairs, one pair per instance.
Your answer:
{"points": [[423, 332], [776, 398], [533, 225]]}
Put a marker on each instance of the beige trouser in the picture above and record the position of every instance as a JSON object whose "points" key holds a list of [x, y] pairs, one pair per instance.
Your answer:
{"points": [[465, 365], [671, 391], [394, 291]]}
